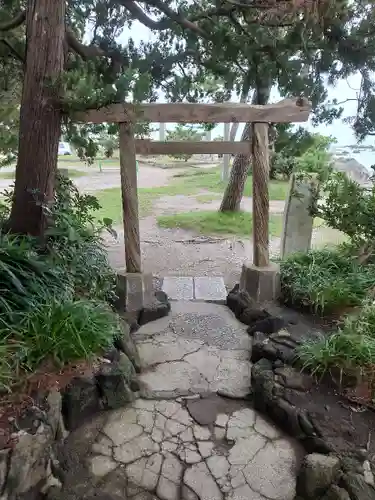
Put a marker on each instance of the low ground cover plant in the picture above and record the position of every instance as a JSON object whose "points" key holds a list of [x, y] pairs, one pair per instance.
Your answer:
{"points": [[325, 281], [55, 295], [348, 355]]}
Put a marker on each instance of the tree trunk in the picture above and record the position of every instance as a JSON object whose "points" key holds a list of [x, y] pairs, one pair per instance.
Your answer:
{"points": [[243, 99], [40, 116], [234, 191]]}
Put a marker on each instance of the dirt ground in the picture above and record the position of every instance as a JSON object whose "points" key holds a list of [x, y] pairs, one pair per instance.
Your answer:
{"points": [[176, 252]]}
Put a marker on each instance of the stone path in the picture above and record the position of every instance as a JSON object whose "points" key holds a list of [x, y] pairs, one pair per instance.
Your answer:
{"points": [[181, 440], [204, 288]]}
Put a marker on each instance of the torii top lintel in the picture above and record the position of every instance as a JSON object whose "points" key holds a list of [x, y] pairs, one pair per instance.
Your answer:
{"points": [[285, 111]]}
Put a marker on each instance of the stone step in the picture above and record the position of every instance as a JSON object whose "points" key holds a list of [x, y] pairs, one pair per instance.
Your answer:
{"points": [[200, 288]]}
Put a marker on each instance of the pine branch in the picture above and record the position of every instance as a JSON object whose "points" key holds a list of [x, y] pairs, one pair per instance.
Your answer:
{"points": [[178, 18], [13, 23], [143, 18], [92, 51], [165, 23], [13, 51]]}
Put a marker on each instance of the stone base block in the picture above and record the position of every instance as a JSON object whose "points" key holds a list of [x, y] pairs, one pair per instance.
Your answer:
{"points": [[134, 290], [137, 302], [261, 283]]}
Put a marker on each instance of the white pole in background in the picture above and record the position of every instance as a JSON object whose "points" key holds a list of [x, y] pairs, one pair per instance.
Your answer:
{"points": [[209, 138], [161, 131], [226, 157]]}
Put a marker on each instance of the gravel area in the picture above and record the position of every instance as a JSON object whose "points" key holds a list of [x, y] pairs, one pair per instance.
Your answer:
{"points": [[176, 252]]}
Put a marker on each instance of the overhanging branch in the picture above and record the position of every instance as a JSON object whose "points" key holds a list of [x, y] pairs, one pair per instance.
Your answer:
{"points": [[143, 18], [176, 17], [12, 50], [92, 51], [13, 23]]}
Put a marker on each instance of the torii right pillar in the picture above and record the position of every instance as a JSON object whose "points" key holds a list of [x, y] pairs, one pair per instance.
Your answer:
{"points": [[261, 278]]}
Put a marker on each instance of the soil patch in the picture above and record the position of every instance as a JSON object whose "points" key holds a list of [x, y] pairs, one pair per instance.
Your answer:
{"points": [[205, 410], [317, 413], [14, 407], [326, 408]]}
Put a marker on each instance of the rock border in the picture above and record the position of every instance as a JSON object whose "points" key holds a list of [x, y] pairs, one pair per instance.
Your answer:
{"points": [[324, 473], [29, 467]]}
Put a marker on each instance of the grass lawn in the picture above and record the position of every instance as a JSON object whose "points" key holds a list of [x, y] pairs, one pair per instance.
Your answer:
{"points": [[190, 182], [110, 200], [237, 223], [207, 198], [210, 179], [11, 174], [105, 162]]}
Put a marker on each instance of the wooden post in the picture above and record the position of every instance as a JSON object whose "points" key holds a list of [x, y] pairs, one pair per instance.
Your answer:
{"points": [[128, 170], [261, 205]]}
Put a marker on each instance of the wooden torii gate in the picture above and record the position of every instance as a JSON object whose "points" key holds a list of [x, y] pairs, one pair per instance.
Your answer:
{"points": [[286, 111]]}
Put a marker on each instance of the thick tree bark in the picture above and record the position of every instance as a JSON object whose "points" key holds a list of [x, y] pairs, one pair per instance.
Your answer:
{"points": [[40, 116], [243, 98], [234, 191]]}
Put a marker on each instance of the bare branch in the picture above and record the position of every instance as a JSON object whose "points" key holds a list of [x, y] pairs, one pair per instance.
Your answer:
{"points": [[143, 18], [178, 18], [13, 51], [85, 51], [13, 23], [92, 51]]}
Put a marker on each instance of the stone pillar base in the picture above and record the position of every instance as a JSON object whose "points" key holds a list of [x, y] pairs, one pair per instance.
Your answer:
{"points": [[137, 301], [261, 283], [134, 291]]}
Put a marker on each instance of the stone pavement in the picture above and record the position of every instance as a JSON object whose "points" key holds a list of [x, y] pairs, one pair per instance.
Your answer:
{"points": [[205, 288], [181, 440]]}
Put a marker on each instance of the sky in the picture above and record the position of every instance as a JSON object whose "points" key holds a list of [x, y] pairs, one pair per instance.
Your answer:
{"points": [[345, 89]]}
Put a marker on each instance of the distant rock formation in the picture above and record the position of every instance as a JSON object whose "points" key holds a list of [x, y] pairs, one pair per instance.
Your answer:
{"points": [[353, 169]]}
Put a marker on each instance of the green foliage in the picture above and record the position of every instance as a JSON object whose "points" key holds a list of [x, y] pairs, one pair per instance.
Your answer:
{"points": [[220, 52], [54, 294], [213, 222], [74, 243], [184, 133], [299, 151], [26, 277], [325, 280], [348, 207], [63, 331], [351, 349], [348, 352]]}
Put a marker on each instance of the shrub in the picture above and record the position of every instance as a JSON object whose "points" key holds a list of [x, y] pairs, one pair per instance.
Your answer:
{"points": [[54, 293], [351, 349], [325, 280], [184, 133], [63, 331], [25, 277], [74, 242], [11, 353], [349, 352]]}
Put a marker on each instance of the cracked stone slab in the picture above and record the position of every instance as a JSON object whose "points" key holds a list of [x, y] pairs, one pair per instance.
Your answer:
{"points": [[167, 348], [210, 289], [212, 324], [178, 288], [160, 449], [181, 440], [170, 380], [278, 456], [200, 480]]}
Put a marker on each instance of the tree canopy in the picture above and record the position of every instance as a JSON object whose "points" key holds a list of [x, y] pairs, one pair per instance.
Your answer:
{"points": [[297, 46]]}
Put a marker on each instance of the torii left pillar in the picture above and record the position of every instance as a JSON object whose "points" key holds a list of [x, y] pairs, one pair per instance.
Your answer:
{"points": [[261, 278]]}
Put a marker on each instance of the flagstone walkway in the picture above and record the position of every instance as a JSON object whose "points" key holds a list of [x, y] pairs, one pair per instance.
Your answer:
{"points": [[182, 440]]}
